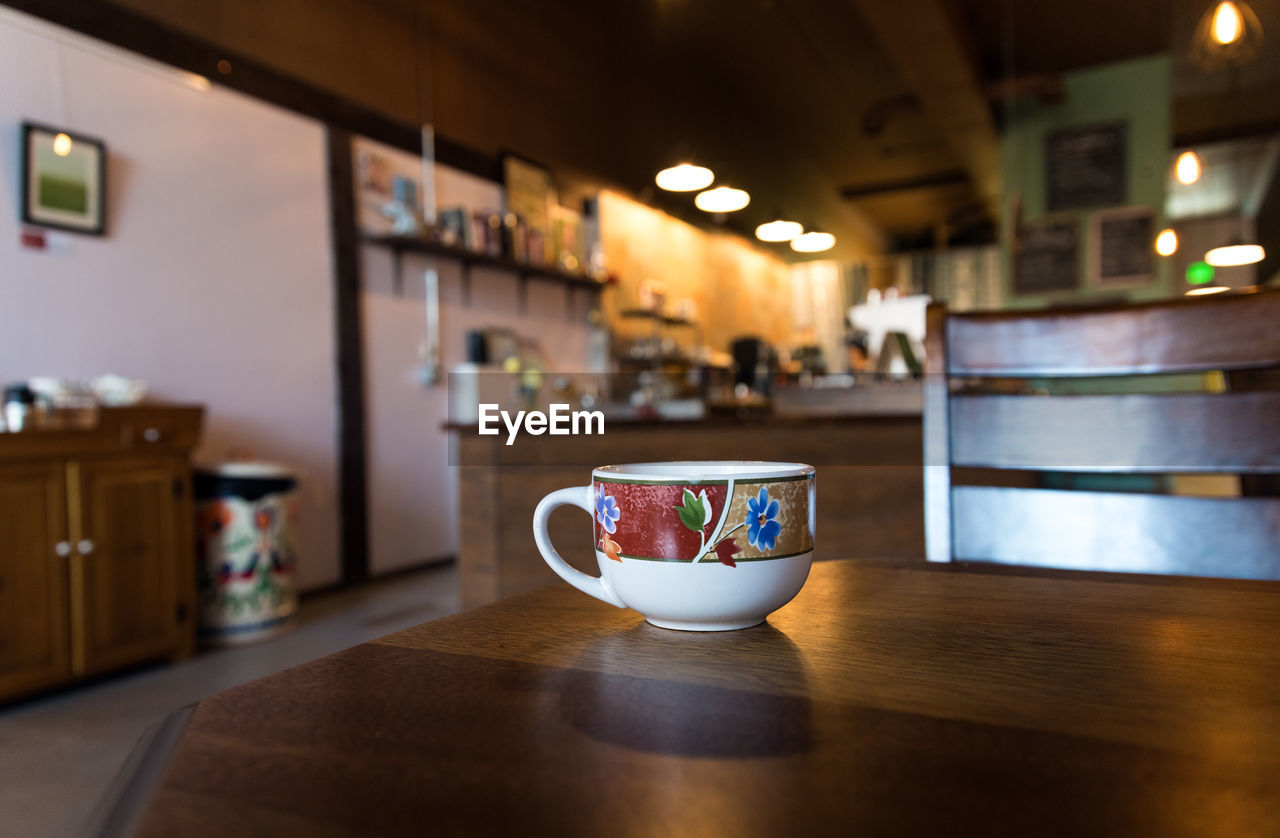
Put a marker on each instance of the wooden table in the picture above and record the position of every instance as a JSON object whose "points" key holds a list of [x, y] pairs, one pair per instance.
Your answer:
{"points": [[883, 700]]}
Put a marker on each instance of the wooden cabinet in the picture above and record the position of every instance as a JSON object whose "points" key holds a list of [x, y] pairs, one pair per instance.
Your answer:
{"points": [[123, 585], [34, 642], [96, 564]]}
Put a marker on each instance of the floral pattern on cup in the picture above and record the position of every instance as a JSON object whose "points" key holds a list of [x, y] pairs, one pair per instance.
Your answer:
{"points": [[762, 524], [712, 521], [607, 515], [607, 511]]}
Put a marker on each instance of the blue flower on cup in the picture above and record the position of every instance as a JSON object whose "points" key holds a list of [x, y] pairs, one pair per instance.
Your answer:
{"points": [[762, 525], [607, 512]]}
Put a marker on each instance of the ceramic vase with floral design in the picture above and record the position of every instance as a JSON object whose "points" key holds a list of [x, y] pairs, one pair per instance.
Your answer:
{"points": [[246, 521]]}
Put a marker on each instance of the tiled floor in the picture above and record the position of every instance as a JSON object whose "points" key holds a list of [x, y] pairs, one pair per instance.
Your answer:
{"points": [[58, 754]]}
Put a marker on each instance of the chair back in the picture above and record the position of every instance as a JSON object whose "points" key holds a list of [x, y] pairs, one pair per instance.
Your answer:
{"points": [[1141, 438]]}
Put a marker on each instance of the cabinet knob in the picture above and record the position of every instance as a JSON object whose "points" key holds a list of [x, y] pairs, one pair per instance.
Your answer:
{"points": [[85, 546], [62, 548], [151, 434]]}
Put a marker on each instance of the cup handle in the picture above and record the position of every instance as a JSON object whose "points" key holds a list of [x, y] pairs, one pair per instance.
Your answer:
{"points": [[579, 496]]}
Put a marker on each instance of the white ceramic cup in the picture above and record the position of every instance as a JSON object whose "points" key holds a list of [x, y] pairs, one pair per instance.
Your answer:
{"points": [[696, 546]]}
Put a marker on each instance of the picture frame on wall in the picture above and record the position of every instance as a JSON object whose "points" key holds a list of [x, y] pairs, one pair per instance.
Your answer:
{"points": [[1087, 166], [530, 194], [63, 180], [1122, 247], [1046, 256]]}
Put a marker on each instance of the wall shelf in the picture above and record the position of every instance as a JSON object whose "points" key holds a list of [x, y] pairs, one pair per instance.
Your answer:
{"points": [[399, 245], [646, 314]]}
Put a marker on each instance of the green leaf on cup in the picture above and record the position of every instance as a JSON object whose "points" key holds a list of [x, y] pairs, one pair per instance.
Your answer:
{"points": [[695, 511]]}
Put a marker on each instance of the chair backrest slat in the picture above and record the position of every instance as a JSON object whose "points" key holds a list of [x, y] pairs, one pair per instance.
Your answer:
{"points": [[1198, 432], [1123, 443], [1193, 536], [1230, 333], [937, 435]]}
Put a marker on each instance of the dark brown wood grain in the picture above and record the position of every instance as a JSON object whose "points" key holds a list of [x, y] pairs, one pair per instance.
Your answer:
{"points": [[1233, 330], [883, 700], [34, 647], [353, 441], [97, 567]]}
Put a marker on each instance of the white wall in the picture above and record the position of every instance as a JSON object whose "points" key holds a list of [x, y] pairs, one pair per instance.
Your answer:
{"points": [[213, 283]]}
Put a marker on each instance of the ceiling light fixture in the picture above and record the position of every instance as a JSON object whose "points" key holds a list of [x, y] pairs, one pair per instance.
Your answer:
{"points": [[779, 231], [62, 145], [685, 177], [1234, 254], [722, 199], [1226, 24], [1209, 289], [813, 242], [1228, 32], [1167, 242], [1187, 168]]}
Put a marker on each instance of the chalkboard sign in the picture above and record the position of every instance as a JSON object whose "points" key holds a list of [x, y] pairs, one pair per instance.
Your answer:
{"points": [[1086, 166], [1046, 257], [1123, 242]]}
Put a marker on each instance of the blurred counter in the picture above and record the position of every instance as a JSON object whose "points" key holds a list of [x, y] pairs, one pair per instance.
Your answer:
{"points": [[870, 503], [888, 398]]}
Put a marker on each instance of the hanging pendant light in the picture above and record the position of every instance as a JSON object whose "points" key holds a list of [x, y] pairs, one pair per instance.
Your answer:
{"points": [[813, 242], [684, 177], [1235, 254], [1226, 26], [779, 231], [722, 199], [1187, 168], [1228, 32]]}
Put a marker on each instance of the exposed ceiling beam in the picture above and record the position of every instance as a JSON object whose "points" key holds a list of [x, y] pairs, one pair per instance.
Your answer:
{"points": [[934, 58], [1047, 88], [931, 181]]}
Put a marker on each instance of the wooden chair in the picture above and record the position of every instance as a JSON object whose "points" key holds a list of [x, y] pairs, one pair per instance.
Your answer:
{"points": [[995, 442]]}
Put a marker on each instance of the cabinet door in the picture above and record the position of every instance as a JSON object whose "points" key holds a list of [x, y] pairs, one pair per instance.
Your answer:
{"points": [[125, 536], [33, 577]]}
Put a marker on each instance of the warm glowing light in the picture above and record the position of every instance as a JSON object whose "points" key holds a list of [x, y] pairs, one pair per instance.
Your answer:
{"points": [[684, 178], [1227, 25], [1167, 242], [1187, 169], [813, 242], [778, 231], [722, 199], [1227, 35], [1235, 254], [1210, 289], [197, 82], [62, 145]]}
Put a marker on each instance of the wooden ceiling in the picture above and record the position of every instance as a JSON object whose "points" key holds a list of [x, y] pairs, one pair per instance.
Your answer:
{"points": [[797, 101]]}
